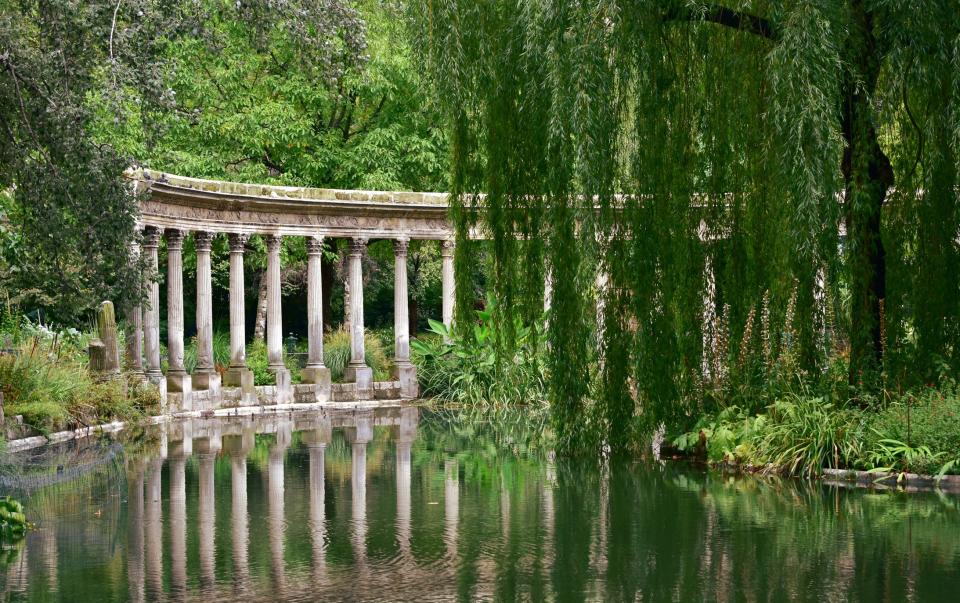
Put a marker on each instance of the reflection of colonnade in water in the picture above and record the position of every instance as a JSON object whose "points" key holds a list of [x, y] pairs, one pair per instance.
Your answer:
{"points": [[204, 441]]}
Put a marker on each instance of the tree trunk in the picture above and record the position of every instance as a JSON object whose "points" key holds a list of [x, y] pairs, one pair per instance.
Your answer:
{"points": [[414, 316], [327, 276], [868, 176], [260, 323]]}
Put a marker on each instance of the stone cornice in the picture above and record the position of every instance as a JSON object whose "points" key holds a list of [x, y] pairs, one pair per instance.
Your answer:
{"points": [[171, 201]]}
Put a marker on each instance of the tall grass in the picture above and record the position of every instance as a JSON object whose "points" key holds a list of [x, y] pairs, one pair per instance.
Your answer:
{"points": [[54, 391], [336, 357]]}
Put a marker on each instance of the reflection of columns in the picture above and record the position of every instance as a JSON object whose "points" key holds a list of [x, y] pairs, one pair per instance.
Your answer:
{"points": [[47, 541], [549, 521], [449, 284], [205, 375], [179, 452], [154, 531], [405, 372], [317, 443], [315, 372], [358, 482], [151, 318], [275, 320], [403, 493], [275, 488], [207, 513], [357, 371], [178, 381], [135, 532], [238, 446], [451, 503]]}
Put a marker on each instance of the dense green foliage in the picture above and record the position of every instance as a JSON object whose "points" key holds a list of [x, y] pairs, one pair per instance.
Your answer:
{"points": [[799, 159], [13, 522], [465, 368]]}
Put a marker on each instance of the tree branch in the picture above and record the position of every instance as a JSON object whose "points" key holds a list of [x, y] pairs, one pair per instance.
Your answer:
{"points": [[722, 15]]}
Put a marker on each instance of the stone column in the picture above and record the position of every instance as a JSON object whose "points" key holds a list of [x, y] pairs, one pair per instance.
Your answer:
{"points": [[205, 377], [238, 375], [134, 331], [404, 371], [315, 372], [275, 322], [357, 371], [178, 381], [405, 436], [449, 284], [151, 318], [135, 341]]}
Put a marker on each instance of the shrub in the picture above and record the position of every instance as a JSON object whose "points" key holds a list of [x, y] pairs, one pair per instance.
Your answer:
{"points": [[336, 355]]}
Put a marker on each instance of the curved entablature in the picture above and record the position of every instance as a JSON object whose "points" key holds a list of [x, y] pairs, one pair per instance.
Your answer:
{"points": [[210, 205]]}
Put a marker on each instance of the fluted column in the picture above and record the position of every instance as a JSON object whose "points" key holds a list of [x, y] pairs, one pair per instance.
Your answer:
{"points": [[315, 372], [238, 375], [151, 318], [449, 284], [178, 381], [404, 371], [275, 321], [134, 338], [205, 376], [358, 371]]}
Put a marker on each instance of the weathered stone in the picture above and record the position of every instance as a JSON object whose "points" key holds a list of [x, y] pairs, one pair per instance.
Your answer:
{"points": [[104, 350]]}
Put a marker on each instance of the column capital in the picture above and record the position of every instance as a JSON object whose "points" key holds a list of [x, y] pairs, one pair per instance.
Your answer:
{"points": [[357, 245], [446, 248], [203, 240], [314, 244], [273, 242], [174, 238], [151, 236], [238, 242], [401, 245]]}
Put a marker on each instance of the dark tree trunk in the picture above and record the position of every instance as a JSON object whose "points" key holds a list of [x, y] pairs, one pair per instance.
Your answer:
{"points": [[414, 317], [868, 176]]}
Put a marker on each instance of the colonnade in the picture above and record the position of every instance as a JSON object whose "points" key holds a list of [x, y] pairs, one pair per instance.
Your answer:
{"points": [[144, 345]]}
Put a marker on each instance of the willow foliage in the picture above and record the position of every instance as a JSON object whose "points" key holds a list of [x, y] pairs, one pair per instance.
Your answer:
{"points": [[729, 185]]}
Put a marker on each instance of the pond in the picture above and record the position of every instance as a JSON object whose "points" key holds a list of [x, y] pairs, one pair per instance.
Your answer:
{"points": [[408, 504]]}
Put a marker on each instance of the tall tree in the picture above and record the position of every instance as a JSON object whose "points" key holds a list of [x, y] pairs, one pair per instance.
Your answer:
{"points": [[652, 135]]}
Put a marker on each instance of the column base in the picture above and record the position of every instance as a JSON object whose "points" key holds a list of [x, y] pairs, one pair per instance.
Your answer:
{"points": [[180, 383], [241, 377], [362, 375], [206, 379], [284, 387], [319, 377], [406, 374]]}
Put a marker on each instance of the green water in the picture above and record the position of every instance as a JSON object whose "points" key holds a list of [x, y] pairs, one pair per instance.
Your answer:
{"points": [[408, 505]]}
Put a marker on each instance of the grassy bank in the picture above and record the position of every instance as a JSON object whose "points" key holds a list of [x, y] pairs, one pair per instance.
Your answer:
{"points": [[798, 434], [46, 380]]}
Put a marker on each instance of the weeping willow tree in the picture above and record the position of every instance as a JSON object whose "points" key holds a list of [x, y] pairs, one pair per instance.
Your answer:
{"points": [[793, 164]]}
